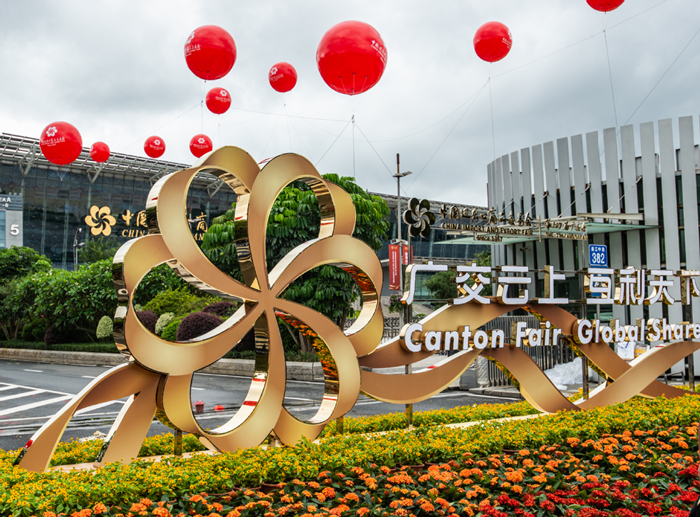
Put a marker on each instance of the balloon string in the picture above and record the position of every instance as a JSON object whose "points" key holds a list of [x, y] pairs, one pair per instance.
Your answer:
{"points": [[289, 132], [353, 145], [612, 88], [493, 130]]}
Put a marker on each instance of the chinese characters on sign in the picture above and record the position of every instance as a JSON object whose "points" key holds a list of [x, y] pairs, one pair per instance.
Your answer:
{"points": [[102, 222], [606, 286]]}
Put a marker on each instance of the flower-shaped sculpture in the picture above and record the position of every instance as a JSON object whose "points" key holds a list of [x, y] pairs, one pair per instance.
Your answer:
{"points": [[160, 372], [100, 220], [419, 217]]}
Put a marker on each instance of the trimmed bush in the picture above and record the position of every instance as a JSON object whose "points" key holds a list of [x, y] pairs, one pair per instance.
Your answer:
{"points": [[221, 309], [163, 322], [105, 328], [170, 331], [148, 319], [196, 324], [180, 302]]}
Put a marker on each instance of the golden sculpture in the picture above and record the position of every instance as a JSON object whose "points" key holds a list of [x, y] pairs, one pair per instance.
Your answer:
{"points": [[159, 374]]}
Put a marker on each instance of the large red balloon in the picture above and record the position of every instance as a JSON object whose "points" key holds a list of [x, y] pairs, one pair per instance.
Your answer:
{"points": [[200, 145], [351, 57], [210, 52], [154, 146], [61, 143], [218, 100], [605, 5], [99, 152], [282, 77], [492, 41]]}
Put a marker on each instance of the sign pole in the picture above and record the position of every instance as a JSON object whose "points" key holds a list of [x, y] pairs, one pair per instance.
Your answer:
{"points": [[584, 359]]}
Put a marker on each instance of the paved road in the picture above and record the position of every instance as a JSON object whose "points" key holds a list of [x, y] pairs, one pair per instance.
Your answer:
{"points": [[30, 393]]}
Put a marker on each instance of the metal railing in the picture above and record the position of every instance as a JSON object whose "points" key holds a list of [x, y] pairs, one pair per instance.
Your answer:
{"points": [[546, 357]]}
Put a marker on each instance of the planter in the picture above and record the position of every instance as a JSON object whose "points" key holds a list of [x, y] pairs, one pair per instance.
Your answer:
{"points": [[266, 488], [199, 407], [413, 468]]}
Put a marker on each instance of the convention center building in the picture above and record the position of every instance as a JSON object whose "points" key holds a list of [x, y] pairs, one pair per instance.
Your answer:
{"points": [[54, 209]]}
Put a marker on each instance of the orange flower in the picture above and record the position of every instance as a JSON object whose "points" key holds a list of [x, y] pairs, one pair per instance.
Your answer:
{"points": [[427, 507], [362, 511]]}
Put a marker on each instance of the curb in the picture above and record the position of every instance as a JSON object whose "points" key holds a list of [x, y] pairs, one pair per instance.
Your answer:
{"points": [[296, 371]]}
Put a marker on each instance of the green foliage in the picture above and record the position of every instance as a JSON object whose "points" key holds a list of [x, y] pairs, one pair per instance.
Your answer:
{"points": [[170, 331], [104, 348], [163, 322], [179, 302], [395, 304], [294, 219], [160, 278], [442, 286], [19, 261], [71, 299], [11, 314], [98, 249], [105, 328]]}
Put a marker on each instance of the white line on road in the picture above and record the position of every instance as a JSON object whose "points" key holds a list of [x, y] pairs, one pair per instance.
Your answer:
{"points": [[8, 387], [97, 406], [33, 405], [47, 391], [198, 389], [89, 377], [34, 371], [20, 395]]}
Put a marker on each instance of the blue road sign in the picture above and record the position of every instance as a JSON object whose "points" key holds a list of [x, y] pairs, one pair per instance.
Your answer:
{"points": [[597, 255]]}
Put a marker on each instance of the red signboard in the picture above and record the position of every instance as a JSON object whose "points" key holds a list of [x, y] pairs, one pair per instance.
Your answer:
{"points": [[404, 251], [394, 267]]}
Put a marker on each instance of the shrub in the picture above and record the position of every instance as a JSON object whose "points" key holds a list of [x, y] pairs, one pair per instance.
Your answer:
{"points": [[179, 302], [196, 324], [170, 331], [34, 329], [163, 322], [54, 336], [105, 328], [148, 319], [221, 309]]}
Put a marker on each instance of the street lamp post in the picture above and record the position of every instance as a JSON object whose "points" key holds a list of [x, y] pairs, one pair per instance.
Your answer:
{"points": [[76, 246], [407, 312]]}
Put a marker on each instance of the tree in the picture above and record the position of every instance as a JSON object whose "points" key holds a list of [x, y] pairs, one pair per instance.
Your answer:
{"points": [[294, 219], [442, 286], [19, 261], [98, 249]]}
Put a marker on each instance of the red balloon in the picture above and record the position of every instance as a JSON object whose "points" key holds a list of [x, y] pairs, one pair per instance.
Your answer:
{"points": [[154, 146], [61, 143], [492, 41], [200, 145], [218, 100], [282, 77], [605, 5], [351, 57], [210, 52], [99, 152]]}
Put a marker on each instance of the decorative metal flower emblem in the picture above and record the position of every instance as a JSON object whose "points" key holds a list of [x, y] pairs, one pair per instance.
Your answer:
{"points": [[100, 220], [160, 372], [419, 217]]}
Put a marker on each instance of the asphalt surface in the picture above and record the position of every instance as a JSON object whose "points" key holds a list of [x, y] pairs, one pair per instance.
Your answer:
{"points": [[30, 393]]}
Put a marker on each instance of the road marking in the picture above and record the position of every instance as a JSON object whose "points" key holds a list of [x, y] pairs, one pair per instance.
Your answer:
{"points": [[97, 406], [198, 389], [89, 377], [297, 398], [33, 405], [9, 387], [20, 395], [34, 371], [47, 391]]}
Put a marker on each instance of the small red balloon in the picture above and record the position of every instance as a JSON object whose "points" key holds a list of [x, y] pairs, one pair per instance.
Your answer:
{"points": [[154, 146], [492, 41], [605, 5], [200, 145], [351, 57], [61, 143], [282, 77], [218, 100], [210, 52], [99, 152]]}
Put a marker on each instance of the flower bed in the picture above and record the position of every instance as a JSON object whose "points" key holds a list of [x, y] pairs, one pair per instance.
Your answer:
{"points": [[563, 450]]}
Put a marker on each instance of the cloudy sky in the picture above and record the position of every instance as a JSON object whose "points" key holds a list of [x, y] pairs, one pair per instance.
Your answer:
{"points": [[116, 70]]}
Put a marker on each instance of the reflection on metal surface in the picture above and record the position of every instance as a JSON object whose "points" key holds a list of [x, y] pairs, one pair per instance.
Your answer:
{"points": [[158, 378]]}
